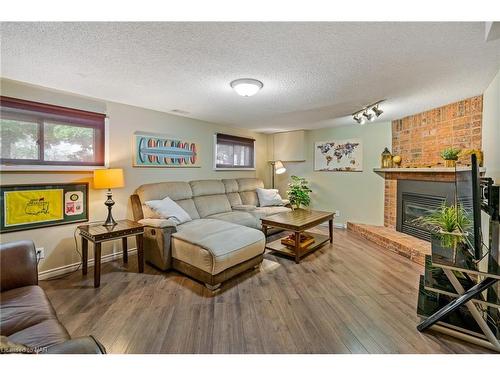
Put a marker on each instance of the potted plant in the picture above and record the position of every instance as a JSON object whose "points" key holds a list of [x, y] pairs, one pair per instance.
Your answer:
{"points": [[450, 156], [448, 226], [298, 192]]}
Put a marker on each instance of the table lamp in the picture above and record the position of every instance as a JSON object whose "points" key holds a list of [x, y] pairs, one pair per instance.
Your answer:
{"points": [[278, 168], [108, 179]]}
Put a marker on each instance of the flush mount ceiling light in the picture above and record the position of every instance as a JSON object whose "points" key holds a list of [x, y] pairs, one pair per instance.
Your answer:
{"points": [[246, 86], [363, 113]]}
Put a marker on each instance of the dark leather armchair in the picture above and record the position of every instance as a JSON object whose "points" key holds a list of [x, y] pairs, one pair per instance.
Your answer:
{"points": [[27, 318]]}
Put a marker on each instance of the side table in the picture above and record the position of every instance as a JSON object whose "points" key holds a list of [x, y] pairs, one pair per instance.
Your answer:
{"points": [[98, 233]]}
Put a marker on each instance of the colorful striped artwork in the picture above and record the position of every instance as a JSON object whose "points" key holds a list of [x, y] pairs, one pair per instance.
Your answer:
{"points": [[162, 151]]}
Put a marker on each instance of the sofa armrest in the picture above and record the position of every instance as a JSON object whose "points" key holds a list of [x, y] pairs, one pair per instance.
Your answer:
{"points": [[18, 265], [285, 202], [79, 345], [158, 223], [244, 207], [157, 243]]}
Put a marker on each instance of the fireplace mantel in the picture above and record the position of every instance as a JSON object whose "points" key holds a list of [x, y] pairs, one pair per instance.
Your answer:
{"points": [[423, 170]]}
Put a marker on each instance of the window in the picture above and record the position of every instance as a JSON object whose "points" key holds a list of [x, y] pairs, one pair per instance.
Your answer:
{"points": [[42, 134], [233, 152]]}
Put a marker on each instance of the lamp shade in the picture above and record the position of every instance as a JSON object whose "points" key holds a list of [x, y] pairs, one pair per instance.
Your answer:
{"points": [[108, 178], [279, 168]]}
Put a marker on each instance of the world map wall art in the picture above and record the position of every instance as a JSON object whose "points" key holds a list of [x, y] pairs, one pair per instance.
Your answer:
{"points": [[152, 150], [339, 155]]}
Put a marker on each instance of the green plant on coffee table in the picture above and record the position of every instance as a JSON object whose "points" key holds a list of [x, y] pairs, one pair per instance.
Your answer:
{"points": [[449, 223], [298, 192], [450, 153]]}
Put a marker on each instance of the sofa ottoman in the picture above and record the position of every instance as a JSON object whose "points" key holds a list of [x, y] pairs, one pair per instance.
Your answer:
{"points": [[213, 251]]}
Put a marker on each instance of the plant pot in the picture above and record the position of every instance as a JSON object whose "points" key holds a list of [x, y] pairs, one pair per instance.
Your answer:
{"points": [[450, 163], [447, 247]]}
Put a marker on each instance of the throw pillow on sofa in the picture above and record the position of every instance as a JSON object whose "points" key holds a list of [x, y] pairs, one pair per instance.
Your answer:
{"points": [[269, 197], [168, 209]]}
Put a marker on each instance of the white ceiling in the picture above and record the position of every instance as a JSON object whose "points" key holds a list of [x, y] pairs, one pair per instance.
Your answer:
{"points": [[315, 74]]}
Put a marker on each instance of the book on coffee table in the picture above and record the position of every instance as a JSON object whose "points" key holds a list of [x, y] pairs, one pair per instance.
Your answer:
{"points": [[305, 240]]}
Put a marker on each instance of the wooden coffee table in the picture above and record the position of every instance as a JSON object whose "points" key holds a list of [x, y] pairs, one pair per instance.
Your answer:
{"points": [[298, 221]]}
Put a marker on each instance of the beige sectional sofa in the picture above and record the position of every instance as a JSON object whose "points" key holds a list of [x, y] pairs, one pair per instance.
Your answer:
{"points": [[223, 238]]}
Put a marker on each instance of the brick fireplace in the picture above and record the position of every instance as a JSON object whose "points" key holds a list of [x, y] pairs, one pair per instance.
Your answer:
{"points": [[391, 189], [418, 139], [387, 236]]}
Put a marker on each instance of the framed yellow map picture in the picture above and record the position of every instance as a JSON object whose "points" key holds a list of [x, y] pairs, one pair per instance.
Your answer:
{"points": [[34, 206]]}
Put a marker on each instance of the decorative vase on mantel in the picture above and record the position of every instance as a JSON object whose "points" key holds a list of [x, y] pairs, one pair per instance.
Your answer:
{"points": [[386, 158]]}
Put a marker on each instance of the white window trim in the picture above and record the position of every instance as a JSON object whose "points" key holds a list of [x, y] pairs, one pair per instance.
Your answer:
{"points": [[63, 168], [214, 164]]}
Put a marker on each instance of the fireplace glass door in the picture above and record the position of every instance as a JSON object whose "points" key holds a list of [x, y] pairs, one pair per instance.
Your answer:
{"points": [[415, 206]]}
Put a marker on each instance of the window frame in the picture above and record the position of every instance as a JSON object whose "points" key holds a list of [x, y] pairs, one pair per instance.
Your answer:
{"points": [[25, 110], [236, 139]]}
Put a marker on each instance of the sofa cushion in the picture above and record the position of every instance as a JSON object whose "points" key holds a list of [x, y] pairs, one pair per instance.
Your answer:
{"points": [[175, 190], [234, 199], [238, 217], [28, 318], [212, 204], [249, 198], [243, 207], [168, 209], [231, 185], [249, 184], [207, 187], [42, 335], [262, 212], [215, 245], [269, 197], [189, 206]]}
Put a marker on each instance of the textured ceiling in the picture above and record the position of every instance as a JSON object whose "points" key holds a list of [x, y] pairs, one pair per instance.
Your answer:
{"points": [[314, 74]]}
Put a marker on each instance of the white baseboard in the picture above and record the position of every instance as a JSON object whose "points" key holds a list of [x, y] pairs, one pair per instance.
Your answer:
{"points": [[58, 271], [335, 225]]}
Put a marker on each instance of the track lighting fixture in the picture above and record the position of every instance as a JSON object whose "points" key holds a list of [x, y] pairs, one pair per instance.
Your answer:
{"points": [[377, 111], [359, 119], [363, 113], [368, 116]]}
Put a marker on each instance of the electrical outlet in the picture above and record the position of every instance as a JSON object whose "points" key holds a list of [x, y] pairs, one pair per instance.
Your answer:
{"points": [[337, 213], [40, 252]]}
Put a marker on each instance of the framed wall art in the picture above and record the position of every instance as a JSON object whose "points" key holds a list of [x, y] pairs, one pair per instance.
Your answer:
{"points": [[152, 150], [339, 155], [42, 205]]}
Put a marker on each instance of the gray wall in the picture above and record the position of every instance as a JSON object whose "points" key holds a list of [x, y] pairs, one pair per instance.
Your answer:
{"points": [[359, 196], [124, 120]]}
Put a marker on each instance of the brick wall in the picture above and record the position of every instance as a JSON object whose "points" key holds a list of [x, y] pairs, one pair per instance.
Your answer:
{"points": [[419, 138]]}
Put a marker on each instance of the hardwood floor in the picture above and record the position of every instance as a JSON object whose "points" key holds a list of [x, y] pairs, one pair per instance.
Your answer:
{"points": [[348, 297]]}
